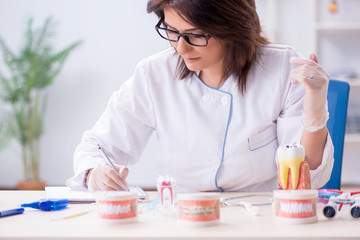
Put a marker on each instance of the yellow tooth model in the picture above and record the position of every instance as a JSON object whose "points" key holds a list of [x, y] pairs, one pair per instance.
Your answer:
{"points": [[292, 157]]}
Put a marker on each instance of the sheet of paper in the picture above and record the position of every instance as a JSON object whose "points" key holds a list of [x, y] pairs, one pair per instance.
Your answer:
{"points": [[65, 192]]}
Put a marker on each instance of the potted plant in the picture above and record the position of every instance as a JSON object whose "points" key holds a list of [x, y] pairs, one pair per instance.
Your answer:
{"points": [[23, 94]]}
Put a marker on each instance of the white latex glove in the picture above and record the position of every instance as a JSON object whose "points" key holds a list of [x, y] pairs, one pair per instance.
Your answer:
{"points": [[315, 81], [104, 178]]}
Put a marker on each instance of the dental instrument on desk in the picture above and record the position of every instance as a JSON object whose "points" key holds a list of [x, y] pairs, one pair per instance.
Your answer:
{"points": [[335, 199], [48, 205], [74, 215], [252, 208]]}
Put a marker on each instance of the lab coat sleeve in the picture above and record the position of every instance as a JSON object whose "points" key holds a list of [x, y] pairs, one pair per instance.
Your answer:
{"points": [[123, 130], [290, 126]]}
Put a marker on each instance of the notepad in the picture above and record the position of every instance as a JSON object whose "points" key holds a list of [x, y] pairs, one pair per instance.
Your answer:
{"points": [[83, 196], [66, 192]]}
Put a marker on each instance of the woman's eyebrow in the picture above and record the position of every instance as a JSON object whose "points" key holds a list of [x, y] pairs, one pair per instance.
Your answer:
{"points": [[189, 29]]}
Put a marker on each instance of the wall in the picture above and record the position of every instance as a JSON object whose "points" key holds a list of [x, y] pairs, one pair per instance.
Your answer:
{"points": [[116, 34]]}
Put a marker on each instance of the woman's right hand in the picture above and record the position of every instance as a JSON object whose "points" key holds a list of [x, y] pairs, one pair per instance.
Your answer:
{"points": [[104, 178]]}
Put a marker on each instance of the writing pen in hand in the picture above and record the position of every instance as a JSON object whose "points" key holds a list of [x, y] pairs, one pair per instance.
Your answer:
{"points": [[107, 160]]}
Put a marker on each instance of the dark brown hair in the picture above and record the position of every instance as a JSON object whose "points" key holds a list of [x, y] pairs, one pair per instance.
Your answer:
{"points": [[233, 21]]}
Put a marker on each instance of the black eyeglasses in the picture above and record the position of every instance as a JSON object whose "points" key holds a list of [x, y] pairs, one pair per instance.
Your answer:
{"points": [[172, 36]]}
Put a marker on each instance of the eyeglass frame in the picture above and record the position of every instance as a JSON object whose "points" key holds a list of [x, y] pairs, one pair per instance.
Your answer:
{"points": [[183, 35]]}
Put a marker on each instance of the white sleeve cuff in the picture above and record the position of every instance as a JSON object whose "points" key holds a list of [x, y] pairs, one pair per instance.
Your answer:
{"points": [[76, 182]]}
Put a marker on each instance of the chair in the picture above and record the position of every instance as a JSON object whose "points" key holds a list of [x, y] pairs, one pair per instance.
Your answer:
{"points": [[338, 95]]}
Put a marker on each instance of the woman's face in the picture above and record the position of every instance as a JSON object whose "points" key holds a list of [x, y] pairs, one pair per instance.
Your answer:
{"points": [[209, 58]]}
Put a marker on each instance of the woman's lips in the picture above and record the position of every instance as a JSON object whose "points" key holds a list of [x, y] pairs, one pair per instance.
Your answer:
{"points": [[190, 60]]}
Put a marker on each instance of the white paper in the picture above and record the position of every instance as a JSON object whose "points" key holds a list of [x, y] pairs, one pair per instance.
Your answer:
{"points": [[53, 193]]}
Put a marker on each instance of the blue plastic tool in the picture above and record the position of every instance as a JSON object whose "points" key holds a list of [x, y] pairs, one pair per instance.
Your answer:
{"points": [[48, 205], [10, 212]]}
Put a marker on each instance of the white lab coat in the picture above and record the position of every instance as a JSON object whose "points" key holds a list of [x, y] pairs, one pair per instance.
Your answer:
{"points": [[210, 139]]}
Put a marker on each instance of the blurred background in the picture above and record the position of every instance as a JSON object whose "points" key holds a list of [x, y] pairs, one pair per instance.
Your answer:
{"points": [[117, 34]]}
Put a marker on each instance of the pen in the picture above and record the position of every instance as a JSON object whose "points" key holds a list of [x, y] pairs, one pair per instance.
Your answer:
{"points": [[107, 159], [11, 212]]}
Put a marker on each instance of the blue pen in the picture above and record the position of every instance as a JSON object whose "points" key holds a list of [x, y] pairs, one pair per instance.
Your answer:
{"points": [[11, 212]]}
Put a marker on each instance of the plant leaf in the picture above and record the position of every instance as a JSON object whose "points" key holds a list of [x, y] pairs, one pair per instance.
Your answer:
{"points": [[59, 59], [31, 70], [8, 55], [6, 133]]}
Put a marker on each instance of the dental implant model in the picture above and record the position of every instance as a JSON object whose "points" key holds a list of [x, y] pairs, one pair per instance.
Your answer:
{"points": [[293, 170]]}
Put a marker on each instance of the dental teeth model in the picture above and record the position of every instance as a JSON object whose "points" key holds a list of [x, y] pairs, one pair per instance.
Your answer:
{"points": [[166, 190], [294, 171], [117, 206], [199, 209], [295, 206]]}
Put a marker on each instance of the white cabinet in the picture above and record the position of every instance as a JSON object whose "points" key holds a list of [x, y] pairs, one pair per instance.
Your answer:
{"points": [[337, 42], [309, 26]]}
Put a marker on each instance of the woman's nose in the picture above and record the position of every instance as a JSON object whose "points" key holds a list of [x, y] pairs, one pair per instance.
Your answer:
{"points": [[182, 46]]}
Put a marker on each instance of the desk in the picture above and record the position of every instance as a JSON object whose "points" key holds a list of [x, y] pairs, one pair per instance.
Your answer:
{"points": [[236, 223]]}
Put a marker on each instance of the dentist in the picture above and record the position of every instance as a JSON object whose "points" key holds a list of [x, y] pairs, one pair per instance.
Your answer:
{"points": [[220, 101]]}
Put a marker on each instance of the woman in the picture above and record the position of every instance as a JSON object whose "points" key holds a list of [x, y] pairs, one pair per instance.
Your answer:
{"points": [[221, 101]]}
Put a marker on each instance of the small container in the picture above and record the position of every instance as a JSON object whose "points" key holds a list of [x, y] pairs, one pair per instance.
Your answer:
{"points": [[117, 207], [199, 209], [295, 206]]}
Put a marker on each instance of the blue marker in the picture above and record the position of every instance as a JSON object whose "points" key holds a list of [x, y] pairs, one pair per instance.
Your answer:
{"points": [[11, 212]]}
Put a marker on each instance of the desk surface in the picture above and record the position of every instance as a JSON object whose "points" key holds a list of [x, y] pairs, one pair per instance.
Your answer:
{"points": [[236, 223]]}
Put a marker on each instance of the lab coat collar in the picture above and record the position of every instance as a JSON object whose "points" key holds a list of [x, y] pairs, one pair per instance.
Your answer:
{"points": [[225, 87]]}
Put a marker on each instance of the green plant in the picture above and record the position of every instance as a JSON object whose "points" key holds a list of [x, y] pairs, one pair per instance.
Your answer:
{"points": [[23, 92]]}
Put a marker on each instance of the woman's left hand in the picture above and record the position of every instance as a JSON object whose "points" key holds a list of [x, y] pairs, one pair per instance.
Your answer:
{"points": [[315, 81]]}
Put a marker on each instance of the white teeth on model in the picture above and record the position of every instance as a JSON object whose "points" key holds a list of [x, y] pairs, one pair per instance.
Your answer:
{"points": [[296, 207], [109, 209], [197, 210]]}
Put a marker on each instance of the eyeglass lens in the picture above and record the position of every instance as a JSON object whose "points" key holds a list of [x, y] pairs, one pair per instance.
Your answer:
{"points": [[192, 39]]}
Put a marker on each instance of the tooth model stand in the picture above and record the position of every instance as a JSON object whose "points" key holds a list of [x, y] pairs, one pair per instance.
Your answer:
{"points": [[293, 170]]}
